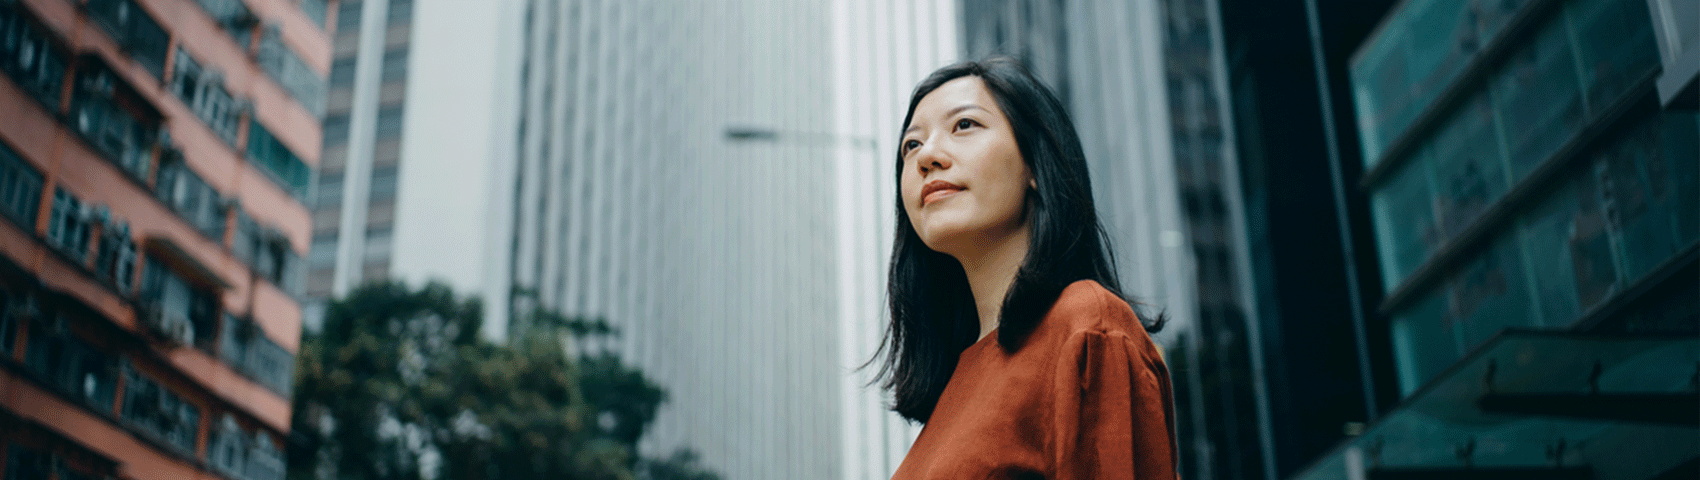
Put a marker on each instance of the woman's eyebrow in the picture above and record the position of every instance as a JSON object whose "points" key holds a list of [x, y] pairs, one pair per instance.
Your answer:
{"points": [[958, 109]]}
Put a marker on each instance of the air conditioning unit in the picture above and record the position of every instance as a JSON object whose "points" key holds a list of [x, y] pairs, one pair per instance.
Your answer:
{"points": [[168, 326], [180, 331]]}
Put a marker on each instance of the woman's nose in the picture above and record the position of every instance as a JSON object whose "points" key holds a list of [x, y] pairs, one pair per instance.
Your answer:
{"points": [[929, 159]]}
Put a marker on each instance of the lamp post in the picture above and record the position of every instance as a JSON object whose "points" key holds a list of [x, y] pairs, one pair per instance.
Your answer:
{"points": [[747, 133]]}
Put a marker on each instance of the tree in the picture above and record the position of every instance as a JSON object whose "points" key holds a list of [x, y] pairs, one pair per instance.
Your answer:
{"points": [[399, 385]]}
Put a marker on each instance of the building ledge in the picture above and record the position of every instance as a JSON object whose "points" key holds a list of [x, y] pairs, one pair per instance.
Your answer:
{"points": [[1478, 415]]}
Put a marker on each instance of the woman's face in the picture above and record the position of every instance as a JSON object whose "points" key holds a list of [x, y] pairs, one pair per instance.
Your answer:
{"points": [[964, 183]]}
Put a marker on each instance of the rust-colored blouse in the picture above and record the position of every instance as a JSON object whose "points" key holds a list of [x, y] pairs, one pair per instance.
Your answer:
{"points": [[1086, 396]]}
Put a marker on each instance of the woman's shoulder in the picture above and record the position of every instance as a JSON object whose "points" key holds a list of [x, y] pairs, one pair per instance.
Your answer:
{"points": [[1086, 306], [1086, 310]]}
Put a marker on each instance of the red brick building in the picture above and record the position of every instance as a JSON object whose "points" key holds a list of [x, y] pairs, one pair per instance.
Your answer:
{"points": [[154, 158]]}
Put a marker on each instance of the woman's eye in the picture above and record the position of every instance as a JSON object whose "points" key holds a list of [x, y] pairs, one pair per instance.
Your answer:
{"points": [[911, 145], [964, 124]]}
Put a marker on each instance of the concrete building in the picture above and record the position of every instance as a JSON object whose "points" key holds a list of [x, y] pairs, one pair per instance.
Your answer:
{"points": [[1206, 143], [153, 159], [417, 131], [354, 201], [707, 177], [880, 50], [1536, 204], [1105, 60], [1145, 85]]}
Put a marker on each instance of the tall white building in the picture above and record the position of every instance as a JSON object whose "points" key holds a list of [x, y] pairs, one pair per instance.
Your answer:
{"points": [[713, 179], [417, 136]]}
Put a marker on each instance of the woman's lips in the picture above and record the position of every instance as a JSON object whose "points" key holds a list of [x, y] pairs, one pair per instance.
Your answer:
{"points": [[938, 189]]}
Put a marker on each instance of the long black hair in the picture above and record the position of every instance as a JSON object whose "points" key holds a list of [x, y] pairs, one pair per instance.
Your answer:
{"points": [[933, 318]]}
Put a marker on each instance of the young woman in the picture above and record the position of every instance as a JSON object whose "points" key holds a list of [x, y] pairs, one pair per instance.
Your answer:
{"points": [[1009, 337]]}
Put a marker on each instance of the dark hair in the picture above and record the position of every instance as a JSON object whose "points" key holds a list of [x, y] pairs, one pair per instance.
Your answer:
{"points": [[933, 318]]}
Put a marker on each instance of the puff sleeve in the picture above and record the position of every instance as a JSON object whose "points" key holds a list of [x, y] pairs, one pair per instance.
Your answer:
{"points": [[1113, 414]]}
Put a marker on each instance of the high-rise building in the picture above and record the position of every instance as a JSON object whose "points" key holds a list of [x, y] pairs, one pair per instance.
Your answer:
{"points": [[153, 160], [1105, 61], [415, 134], [880, 50], [682, 174], [1531, 168], [1145, 83], [354, 202], [1205, 141]]}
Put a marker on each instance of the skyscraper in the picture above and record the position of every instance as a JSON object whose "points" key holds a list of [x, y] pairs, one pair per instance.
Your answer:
{"points": [[1144, 83], [680, 169], [1219, 202], [354, 203], [411, 152], [153, 160], [1536, 203]]}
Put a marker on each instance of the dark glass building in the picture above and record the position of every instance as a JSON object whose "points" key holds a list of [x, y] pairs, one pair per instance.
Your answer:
{"points": [[1531, 173]]}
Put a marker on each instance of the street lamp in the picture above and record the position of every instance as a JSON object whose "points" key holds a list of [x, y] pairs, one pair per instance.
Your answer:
{"points": [[746, 133]]}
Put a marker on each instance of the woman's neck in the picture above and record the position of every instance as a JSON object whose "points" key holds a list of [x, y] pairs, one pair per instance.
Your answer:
{"points": [[991, 270]]}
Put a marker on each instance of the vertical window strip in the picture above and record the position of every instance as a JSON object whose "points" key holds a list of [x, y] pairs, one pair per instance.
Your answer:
{"points": [[20, 189]]}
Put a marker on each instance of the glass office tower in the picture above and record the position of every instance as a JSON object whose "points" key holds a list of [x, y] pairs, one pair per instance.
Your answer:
{"points": [[1532, 173]]}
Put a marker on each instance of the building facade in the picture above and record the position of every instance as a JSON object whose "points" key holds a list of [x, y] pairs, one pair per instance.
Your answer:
{"points": [[683, 173], [154, 157], [880, 51], [1146, 84], [1534, 191], [354, 201]]}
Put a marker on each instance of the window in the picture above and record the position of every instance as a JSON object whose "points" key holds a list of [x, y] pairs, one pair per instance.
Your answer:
{"points": [[71, 365], [342, 71], [383, 183], [68, 229], [347, 16], [116, 120], [152, 408], [377, 244], [234, 16], [329, 191], [8, 325], [203, 91], [133, 29], [184, 191], [267, 252], [265, 461], [24, 463], [20, 189], [117, 261], [395, 65], [177, 310], [315, 11], [324, 250], [246, 238], [229, 450], [336, 130], [29, 57], [284, 166], [389, 122], [269, 363], [247, 349], [291, 72]]}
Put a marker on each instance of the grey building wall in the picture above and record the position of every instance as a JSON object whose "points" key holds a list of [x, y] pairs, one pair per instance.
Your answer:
{"points": [[734, 266], [1144, 82], [354, 200]]}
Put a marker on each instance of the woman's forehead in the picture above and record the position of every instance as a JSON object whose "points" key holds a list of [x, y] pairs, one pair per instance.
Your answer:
{"points": [[962, 93]]}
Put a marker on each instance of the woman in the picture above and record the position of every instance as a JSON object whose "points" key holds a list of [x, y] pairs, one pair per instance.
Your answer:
{"points": [[1009, 338]]}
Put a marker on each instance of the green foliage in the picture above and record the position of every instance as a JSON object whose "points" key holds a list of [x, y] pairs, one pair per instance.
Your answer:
{"points": [[399, 385], [682, 465]]}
